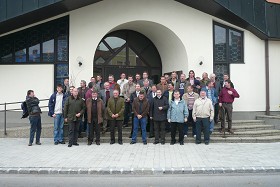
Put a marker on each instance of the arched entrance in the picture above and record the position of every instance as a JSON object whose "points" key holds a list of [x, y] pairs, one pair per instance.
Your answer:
{"points": [[126, 51]]}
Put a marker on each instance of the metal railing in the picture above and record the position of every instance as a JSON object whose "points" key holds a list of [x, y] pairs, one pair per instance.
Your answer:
{"points": [[13, 109]]}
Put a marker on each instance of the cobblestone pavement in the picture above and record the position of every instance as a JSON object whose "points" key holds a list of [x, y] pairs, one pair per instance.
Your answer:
{"points": [[17, 157]]}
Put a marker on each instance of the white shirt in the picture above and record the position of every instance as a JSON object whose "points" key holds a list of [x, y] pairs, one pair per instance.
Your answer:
{"points": [[58, 103], [121, 83], [154, 94], [137, 93], [177, 101]]}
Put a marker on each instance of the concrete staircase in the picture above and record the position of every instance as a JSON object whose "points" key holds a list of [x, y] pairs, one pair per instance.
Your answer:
{"points": [[246, 131]]}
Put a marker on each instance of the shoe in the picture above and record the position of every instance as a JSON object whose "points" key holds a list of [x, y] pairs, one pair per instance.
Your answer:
{"points": [[145, 143], [230, 131], [55, 143], [89, 143], [63, 142], [197, 142], [30, 144], [151, 136], [156, 142], [97, 143], [38, 143], [172, 143], [162, 143], [181, 143], [76, 144], [206, 143], [185, 136], [130, 136], [125, 125], [194, 136], [120, 142], [222, 131], [69, 145], [132, 142], [112, 142]]}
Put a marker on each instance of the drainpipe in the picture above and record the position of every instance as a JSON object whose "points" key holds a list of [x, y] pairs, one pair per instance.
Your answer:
{"points": [[267, 108]]}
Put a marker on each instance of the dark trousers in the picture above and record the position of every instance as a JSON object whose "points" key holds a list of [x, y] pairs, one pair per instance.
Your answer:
{"points": [[227, 113], [83, 124], [94, 127], [73, 131], [127, 112], [36, 126], [113, 124], [216, 113], [190, 123], [174, 126], [206, 129], [132, 123], [151, 133], [159, 129]]}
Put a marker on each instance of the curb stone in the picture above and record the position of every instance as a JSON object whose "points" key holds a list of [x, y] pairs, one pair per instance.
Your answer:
{"points": [[142, 171]]}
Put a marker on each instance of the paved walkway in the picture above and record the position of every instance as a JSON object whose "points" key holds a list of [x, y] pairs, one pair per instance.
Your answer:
{"points": [[17, 157]]}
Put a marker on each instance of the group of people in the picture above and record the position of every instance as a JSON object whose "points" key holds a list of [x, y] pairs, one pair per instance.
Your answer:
{"points": [[171, 105]]}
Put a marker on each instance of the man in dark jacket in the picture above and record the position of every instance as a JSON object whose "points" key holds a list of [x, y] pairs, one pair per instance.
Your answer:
{"points": [[115, 109], [158, 112], [56, 104], [140, 108], [95, 111], [82, 94], [74, 109], [34, 111]]}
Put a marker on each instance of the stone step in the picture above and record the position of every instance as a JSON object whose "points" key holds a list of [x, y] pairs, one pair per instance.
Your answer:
{"points": [[258, 133], [263, 139]]}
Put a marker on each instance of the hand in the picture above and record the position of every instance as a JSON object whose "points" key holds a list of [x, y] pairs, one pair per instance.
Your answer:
{"points": [[230, 92], [113, 115], [160, 108], [78, 115], [211, 119], [139, 116], [220, 104], [194, 119], [65, 120], [128, 99], [169, 120], [151, 117], [53, 115], [116, 115], [186, 119]]}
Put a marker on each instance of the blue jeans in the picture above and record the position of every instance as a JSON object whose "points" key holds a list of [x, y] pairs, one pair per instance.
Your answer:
{"points": [[36, 126], [58, 128], [143, 123]]}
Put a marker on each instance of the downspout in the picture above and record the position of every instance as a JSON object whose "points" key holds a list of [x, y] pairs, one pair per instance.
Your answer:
{"points": [[267, 108]]}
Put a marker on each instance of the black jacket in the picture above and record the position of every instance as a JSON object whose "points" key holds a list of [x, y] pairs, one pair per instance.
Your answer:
{"points": [[33, 108], [155, 113]]}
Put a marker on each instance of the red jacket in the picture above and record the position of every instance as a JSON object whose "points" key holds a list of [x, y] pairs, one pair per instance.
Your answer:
{"points": [[225, 97]]}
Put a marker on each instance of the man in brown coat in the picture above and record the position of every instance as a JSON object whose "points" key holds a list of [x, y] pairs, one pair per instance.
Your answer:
{"points": [[140, 107], [115, 110], [95, 111]]}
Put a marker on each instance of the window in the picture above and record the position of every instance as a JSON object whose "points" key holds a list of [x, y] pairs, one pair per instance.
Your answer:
{"points": [[228, 48], [46, 43]]}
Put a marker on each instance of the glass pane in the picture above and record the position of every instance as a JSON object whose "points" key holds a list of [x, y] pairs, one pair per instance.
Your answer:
{"points": [[21, 55], [48, 51], [6, 52], [220, 44], [102, 53], [235, 46], [34, 53], [134, 59], [119, 59], [62, 71], [62, 48], [220, 70], [114, 42]]}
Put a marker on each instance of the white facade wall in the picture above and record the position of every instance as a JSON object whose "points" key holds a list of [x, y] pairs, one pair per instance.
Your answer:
{"points": [[182, 35], [17, 79], [274, 71]]}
